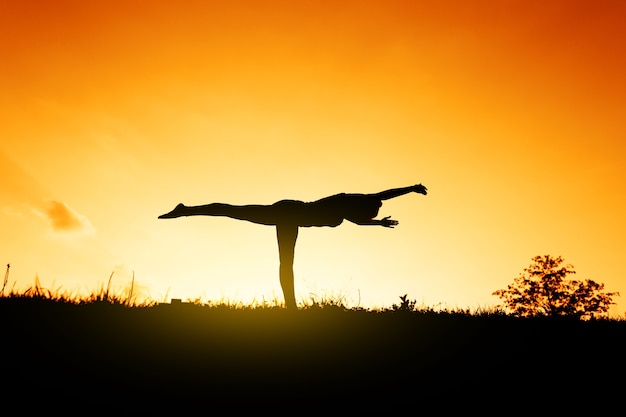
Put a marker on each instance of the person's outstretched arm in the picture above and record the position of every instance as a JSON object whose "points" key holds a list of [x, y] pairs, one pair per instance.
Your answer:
{"points": [[385, 222], [397, 192]]}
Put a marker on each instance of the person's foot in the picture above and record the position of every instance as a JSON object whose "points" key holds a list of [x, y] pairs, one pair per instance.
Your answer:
{"points": [[177, 212]]}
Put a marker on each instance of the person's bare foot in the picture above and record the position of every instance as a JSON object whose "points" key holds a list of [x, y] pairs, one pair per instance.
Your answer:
{"points": [[177, 212]]}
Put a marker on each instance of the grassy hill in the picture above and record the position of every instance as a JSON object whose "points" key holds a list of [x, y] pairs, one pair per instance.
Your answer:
{"points": [[105, 350]]}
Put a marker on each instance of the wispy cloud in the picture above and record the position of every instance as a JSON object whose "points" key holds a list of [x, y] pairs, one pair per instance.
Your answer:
{"points": [[65, 219]]}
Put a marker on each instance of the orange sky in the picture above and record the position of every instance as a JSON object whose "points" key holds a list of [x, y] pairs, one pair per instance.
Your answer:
{"points": [[510, 112]]}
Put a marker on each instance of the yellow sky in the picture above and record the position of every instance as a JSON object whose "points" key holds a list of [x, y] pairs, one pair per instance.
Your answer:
{"points": [[510, 112]]}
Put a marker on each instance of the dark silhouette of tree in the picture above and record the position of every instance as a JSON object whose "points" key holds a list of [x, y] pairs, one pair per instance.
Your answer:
{"points": [[543, 290]]}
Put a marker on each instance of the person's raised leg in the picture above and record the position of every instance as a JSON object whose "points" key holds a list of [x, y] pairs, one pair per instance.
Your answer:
{"points": [[255, 213], [287, 236]]}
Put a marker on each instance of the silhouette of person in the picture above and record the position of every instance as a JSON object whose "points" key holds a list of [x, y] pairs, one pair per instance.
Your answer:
{"points": [[289, 215]]}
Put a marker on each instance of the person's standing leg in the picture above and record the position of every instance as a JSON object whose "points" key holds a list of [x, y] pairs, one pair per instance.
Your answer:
{"points": [[287, 235]]}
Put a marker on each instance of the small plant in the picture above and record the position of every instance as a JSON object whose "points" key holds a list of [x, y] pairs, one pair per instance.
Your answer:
{"points": [[405, 305]]}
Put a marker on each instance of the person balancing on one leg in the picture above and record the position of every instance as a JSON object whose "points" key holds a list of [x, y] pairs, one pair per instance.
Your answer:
{"points": [[289, 215]]}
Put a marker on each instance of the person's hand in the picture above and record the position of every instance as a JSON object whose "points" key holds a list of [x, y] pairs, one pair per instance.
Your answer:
{"points": [[419, 188], [387, 222]]}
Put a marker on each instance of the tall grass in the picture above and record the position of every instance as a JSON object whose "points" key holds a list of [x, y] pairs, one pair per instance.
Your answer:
{"points": [[104, 294], [107, 294]]}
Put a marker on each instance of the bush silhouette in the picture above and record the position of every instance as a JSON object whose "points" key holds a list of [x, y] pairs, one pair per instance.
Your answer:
{"points": [[542, 290]]}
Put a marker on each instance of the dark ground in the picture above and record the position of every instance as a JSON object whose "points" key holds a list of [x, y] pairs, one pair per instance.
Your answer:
{"points": [[324, 360]]}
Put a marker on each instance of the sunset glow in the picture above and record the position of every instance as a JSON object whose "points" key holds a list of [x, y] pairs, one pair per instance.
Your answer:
{"points": [[510, 112]]}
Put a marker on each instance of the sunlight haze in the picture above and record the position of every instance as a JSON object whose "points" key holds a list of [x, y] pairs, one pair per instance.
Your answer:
{"points": [[511, 113]]}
